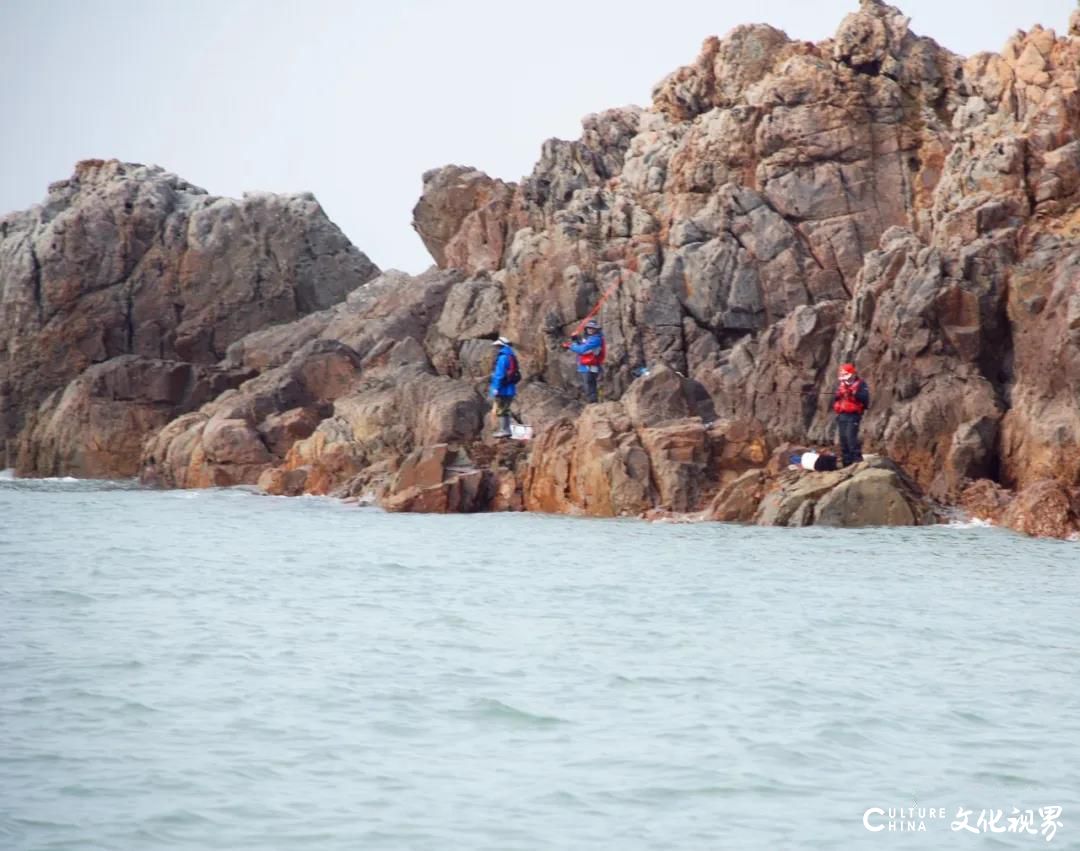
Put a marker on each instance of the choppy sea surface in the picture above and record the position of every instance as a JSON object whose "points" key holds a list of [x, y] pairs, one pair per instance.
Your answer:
{"points": [[219, 669]]}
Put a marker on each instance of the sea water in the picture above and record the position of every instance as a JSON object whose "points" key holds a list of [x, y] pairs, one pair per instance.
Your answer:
{"points": [[219, 669]]}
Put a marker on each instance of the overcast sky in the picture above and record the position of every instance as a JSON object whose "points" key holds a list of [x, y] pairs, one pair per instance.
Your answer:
{"points": [[355, 100]]}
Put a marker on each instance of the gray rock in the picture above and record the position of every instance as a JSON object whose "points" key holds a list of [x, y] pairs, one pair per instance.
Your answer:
{"points": [[128, 259], [872, 493]]}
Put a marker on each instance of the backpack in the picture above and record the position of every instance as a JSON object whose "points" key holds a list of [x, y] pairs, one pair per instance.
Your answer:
{"points": [[513, 374]]}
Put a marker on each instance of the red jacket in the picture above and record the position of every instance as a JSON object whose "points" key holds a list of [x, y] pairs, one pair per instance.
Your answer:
{"points": [[851, 398]]}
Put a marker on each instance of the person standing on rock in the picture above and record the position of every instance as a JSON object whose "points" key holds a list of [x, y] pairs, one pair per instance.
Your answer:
{"points": [[850, 401], [503, 387], [591, 351]]}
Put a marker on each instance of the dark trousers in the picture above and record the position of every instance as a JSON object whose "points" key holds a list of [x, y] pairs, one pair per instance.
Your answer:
{"points": [[589, 382], [850, 447]]}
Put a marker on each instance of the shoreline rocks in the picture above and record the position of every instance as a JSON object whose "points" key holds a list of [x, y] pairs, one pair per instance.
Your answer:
{"points": [[874, 492], [780, 207]]}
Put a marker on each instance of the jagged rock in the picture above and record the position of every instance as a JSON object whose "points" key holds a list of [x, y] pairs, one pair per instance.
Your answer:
{"points": [[1045, 509], [473, 309], [233, 439], [722, 73], [435, 480], [540, 405], [281, 482], [984, 499], [786, 206], [365, 355], [736, 446], [386, 416], [507, 496], [678, 456], [656, 398], [610, 462], [125, 259], [739, 500], [594, 466], [461, 218], [280, 431], [1040, 432]]}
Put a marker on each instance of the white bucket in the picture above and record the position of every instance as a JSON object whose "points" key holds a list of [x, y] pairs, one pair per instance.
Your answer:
{"points": [[521, 432]]}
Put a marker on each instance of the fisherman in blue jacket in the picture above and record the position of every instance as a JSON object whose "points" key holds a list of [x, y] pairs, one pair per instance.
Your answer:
{"points": [[592, 352], [503, 387]]}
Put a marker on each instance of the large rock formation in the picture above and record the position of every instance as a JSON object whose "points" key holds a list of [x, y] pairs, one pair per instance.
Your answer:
{"points": [[784, 206], [124, 259], [872, 493], [780, 207]]}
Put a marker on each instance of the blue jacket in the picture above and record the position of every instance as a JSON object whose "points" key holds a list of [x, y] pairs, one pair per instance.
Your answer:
{"points": [[592, 343], [500, 386]]}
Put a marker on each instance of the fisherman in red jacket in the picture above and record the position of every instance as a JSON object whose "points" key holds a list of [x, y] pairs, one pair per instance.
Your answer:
{"points": [[592, 352], [850, 401]]}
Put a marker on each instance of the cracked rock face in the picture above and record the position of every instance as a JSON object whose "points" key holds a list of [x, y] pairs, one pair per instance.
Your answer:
{"points": [[784, 206], [125, 259], [757, 183]]}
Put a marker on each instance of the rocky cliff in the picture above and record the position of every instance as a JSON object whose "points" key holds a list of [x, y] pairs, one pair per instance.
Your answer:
{"points": [[780, 207], [123, 260], [783, 206]]}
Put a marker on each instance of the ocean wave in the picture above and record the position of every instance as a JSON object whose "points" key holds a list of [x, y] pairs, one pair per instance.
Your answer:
{"points": [[496, 710], [9, 476], [969, 523], [10, 481]]}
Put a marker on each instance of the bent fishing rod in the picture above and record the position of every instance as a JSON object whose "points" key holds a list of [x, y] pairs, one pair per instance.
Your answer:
{"points": [[556, 330]]}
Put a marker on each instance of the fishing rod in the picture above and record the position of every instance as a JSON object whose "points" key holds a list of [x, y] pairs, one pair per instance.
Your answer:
{"points": [[555, 330], [596, 308]]}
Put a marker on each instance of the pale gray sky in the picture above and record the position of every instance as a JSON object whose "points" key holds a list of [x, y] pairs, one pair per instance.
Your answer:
{"points": [[355, 100]]}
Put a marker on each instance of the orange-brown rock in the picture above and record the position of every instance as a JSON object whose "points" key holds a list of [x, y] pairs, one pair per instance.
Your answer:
{"points": [[595, 465], [280, 431], [461, 218], [678, 457], [435, 479], [642, 453], [1045, 509], [738, 501], [235, 438], [96, 426], [280, 482], [736, 446], [984, 499]]}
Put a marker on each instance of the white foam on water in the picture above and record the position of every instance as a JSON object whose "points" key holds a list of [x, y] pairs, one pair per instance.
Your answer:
{"points": [[970, 523], [9, 476]]}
